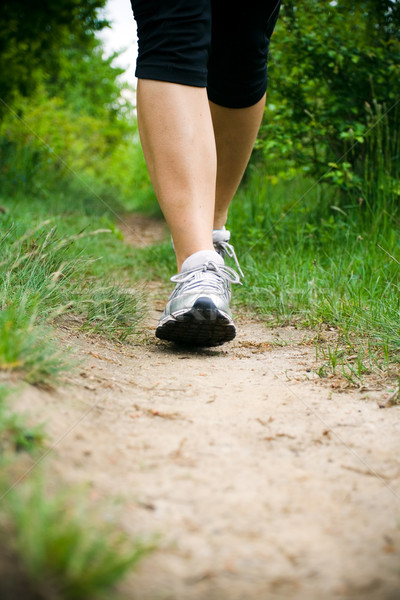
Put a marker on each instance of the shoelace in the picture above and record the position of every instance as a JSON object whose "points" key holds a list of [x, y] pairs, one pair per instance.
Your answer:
{"points": [[223, 247], [225, 273], [228, 249]]}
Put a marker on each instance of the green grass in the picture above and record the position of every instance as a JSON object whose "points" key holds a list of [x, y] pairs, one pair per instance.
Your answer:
{"points": [[27, 347], [59, 549], [66, 264], [312, 258]]}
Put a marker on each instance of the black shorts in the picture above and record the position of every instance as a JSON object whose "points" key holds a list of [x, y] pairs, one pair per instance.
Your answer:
{"points": [[219, 44]]}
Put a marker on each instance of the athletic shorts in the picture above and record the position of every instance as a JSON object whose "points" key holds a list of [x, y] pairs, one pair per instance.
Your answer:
{"points": [[218, 44]]}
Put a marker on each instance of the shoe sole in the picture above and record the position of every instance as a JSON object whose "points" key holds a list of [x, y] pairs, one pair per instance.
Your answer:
{"points": [[203, 325]]}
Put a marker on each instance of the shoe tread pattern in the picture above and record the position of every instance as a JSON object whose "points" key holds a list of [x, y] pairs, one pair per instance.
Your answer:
{"points": [[202, 325]]}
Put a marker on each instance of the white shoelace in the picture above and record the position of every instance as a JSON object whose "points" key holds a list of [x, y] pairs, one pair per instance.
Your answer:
{"points": [[228, 249], [205, 275]]}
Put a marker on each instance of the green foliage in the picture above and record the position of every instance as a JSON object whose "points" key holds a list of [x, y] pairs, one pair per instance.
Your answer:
{"points": [[324, 256], [75, 129], [52, 148], [334, 72], [87, 83], [31, 36], [51, 144]]}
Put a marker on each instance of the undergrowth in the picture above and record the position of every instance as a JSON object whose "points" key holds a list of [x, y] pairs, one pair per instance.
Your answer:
{"points": [[53, 547], [46, 271], [314, 258]]}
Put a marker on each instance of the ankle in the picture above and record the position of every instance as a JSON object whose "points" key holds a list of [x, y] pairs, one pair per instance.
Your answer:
{"points": [[183, 253], [220, 219], [201, 257]]}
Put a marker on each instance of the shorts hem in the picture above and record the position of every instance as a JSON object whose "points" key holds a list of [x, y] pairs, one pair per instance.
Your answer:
{"points": [[237, 101], [172, 74]]}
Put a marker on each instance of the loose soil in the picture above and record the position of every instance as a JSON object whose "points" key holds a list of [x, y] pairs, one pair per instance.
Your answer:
{"points": [[260, 480]]}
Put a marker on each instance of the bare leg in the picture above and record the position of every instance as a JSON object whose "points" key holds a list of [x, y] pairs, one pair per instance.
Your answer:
{"points": [[182, 144], [178, 143], [235, 132]]}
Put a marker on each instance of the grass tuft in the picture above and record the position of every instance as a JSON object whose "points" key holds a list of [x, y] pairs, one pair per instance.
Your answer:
{"points": [[57, 548], [29, 348], [112, 310]]}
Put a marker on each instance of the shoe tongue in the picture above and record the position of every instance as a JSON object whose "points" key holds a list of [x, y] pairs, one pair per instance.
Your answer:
{"points": [[200, 258]]}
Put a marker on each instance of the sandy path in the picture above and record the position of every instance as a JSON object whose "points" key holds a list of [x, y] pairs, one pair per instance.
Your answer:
{"points": [[261, 482]]}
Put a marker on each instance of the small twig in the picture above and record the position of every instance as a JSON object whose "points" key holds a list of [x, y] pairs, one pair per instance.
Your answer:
{"points": [[152, 412], [365, 472]]}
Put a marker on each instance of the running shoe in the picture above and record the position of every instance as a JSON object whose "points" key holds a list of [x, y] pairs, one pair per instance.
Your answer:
{"points": [[197, 312]]}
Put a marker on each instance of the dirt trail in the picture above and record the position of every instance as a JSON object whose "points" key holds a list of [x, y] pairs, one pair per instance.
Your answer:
{"points": [[262, 482]]}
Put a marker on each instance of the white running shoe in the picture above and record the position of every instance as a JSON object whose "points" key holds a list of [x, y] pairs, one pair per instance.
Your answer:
{"points": [[197, 311]]}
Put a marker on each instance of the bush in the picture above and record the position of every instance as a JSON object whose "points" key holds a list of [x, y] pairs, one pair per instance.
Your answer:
{"points": [[334, 74]]}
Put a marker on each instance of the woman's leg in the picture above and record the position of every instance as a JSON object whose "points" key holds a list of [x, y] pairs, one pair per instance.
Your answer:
{"points": [[174, 116], [235, 132], [178, 143]]}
